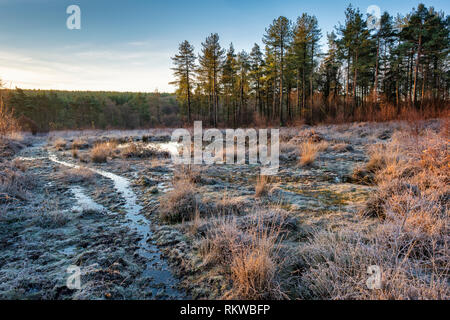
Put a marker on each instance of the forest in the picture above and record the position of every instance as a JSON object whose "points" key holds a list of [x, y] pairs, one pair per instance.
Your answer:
{"points": [[397, 69], [43, 111]]}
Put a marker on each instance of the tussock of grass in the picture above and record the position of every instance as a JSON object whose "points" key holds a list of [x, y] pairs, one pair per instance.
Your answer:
{"points": [[75, 153], [8, 123], [196, 223], [135, 150], [79, 144], [309, 151], [77, 175], [180, 204], [14, 182], [380, 158], [410, 243], [60, 144], [342, 147], [101, 151], [51, 216], [261, 187], [231, 205], [249, 258]]}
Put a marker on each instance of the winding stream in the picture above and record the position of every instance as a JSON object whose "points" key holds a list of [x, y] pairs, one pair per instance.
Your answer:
{"points": [[156, 269]]}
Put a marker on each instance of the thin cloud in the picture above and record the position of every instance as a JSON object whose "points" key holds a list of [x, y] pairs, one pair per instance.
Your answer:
{"points": [[84, 72]]}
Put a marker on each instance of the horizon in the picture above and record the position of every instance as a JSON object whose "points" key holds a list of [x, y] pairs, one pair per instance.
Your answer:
{"points": [[133, 55]]}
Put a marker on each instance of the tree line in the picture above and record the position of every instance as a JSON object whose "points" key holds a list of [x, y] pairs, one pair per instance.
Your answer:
{"points": [[43, 110], [398, 68]]}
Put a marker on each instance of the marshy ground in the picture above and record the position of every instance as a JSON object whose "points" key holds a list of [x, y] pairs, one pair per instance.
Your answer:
{"points": [[346, 197]]}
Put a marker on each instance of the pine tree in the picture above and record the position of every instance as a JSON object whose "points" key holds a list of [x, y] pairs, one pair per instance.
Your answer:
{"points": [[211, 61], [184, 68], [229, 79], [243, 67], [278, 36], [256, 74]]}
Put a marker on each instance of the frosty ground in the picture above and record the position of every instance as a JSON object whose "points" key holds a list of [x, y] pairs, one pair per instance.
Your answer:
{"points": [[113, 203]]}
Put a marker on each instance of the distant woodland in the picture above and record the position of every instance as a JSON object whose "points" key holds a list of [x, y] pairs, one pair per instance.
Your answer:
{"points": [[390, 68], [43, 111]]}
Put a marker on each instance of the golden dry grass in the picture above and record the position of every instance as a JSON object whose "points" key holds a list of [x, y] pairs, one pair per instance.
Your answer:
{"points": [[309, 151], [410, 242], [78, 143], [77, 175], [130, 150], [60, 144], [249, 258], [15, 182], [341, 147], [261, 187], [8, 123], [179, 204], [75, 153], [195, 224], [101, 151]]}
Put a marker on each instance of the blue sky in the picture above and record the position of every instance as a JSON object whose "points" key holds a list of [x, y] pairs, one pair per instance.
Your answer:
{"points": [[127, 45]]}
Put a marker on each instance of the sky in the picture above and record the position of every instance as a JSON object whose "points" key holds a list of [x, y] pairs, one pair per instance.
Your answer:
{"points": [[127, 45]]}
